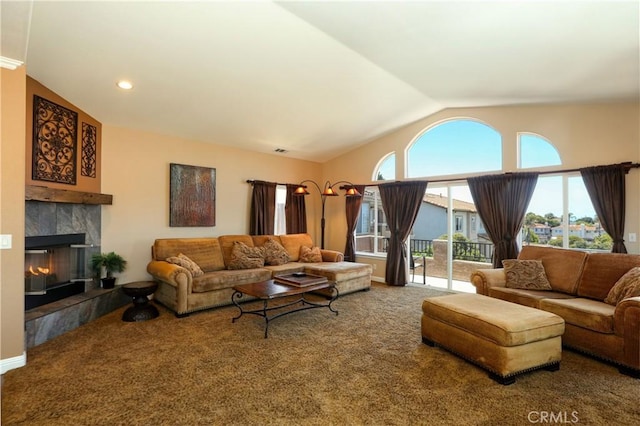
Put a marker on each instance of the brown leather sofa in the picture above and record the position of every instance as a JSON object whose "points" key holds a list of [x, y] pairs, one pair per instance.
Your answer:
{"points": [[580, 282], [179, 291]]}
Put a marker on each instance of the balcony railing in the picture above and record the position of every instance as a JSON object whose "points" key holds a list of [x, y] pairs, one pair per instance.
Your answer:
{"points": [[479, 252], [462, 250], [421, 246]]}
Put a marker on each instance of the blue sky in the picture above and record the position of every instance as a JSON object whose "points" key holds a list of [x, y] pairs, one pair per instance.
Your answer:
{"points": [[455, 147], [546, 199], [467, 146]]}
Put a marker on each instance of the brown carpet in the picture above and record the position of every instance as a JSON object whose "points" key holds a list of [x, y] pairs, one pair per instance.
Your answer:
{"points": [[365, 366]]}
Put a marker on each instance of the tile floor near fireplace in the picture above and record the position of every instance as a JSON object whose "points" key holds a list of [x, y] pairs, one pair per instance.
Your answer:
{"points": [[48, 321]]}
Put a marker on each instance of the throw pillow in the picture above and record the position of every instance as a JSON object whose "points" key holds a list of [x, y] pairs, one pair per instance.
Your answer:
{"points": [[186, 263], [274, 253], [526, 274], [310, 255], [245, 257], [627, 286]]}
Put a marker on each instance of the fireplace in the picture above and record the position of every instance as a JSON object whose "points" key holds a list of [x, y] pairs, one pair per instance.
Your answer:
{"points": [[56, 267]]}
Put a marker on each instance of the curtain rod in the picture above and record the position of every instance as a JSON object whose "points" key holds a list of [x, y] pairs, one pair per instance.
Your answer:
{"points": [[251, 181], [628, 165]]}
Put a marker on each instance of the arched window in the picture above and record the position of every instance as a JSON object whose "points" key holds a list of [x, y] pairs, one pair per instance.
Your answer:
{"points": [[459, 146], [386, 169], [448, 224], [536, 151], [554, 218]]}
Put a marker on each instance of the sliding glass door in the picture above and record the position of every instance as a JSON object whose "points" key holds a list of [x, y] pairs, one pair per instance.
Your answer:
{"points": [[448, 240]]}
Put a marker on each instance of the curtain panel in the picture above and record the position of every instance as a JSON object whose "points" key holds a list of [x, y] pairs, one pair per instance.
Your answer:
{"points": [[263, 208], [501, 201], [401, 202], [295, 211], [606, 188], [352, 210]]}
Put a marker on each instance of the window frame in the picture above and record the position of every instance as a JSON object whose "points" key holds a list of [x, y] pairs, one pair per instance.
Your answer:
{"points": [[519, 153], [453, 176], [280, 219], [459, 222], [389, 158], [376, 225]]}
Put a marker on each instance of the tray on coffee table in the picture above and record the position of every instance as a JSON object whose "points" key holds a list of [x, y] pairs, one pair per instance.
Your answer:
{"points": [[300, 279]]}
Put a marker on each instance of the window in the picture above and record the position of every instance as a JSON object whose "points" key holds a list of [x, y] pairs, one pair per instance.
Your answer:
{"points": [[561, 214], [459, 224], [280, 225], [536, 151], [454, 147], [386, 169], [372, 232], [543, 222]]}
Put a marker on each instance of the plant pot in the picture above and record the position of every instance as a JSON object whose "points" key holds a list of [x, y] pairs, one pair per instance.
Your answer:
{"points": [[108, 282]]}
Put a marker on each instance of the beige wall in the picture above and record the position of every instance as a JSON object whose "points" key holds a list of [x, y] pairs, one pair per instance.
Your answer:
{"points": [[585, 135], [12, 170], [135, 170]]}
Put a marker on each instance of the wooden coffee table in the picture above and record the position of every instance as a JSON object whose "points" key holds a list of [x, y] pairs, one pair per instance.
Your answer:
{"points": [[269, 290]]}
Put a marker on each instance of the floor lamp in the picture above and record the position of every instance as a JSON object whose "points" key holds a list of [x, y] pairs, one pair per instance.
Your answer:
{"points": [[327, 191]]}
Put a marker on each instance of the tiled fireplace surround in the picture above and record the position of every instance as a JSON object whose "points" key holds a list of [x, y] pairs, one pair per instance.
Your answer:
{"points": [[48, 321]]}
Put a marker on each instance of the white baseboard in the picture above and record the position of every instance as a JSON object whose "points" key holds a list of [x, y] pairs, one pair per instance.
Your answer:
{"points": [[11, 363], [377, 279]]}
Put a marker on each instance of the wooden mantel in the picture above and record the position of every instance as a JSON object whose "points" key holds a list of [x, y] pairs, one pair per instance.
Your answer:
{"points": [[42, 193]]}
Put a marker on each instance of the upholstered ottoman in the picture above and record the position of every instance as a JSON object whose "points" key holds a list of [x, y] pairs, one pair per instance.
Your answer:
{"points": [[502, 337]]}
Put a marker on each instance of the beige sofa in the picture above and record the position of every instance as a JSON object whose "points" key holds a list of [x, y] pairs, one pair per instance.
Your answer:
{"points": [[179, 291], [580, 282]]}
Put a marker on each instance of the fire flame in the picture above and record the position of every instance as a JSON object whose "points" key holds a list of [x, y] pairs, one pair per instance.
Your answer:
{"points": [[40, 269]]}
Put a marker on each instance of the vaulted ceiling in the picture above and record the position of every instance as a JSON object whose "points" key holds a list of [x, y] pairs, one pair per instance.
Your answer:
{"points": [[319, 78]]}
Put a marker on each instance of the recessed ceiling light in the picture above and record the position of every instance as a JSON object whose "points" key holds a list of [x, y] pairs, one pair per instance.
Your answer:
{"points": [[124, 84]]}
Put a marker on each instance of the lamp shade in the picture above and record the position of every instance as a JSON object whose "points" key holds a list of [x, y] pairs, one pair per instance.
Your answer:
{"points": [[352, 192], [301, 190], [329, 192]]}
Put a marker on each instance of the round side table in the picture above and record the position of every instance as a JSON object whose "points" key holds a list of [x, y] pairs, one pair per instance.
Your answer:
{"points": [[141, 310]]}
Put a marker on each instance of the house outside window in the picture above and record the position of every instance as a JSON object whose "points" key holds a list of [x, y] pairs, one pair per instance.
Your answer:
{"points": [[372, 232], [571, 224], [431, 222]]}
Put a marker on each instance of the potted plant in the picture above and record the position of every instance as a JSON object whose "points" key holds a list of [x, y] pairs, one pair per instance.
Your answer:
{"points": [[111, 262]]}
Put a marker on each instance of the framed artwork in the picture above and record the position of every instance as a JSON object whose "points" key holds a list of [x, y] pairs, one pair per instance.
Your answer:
{"points": [[55, 132], [89, 150], [192, 196]]}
